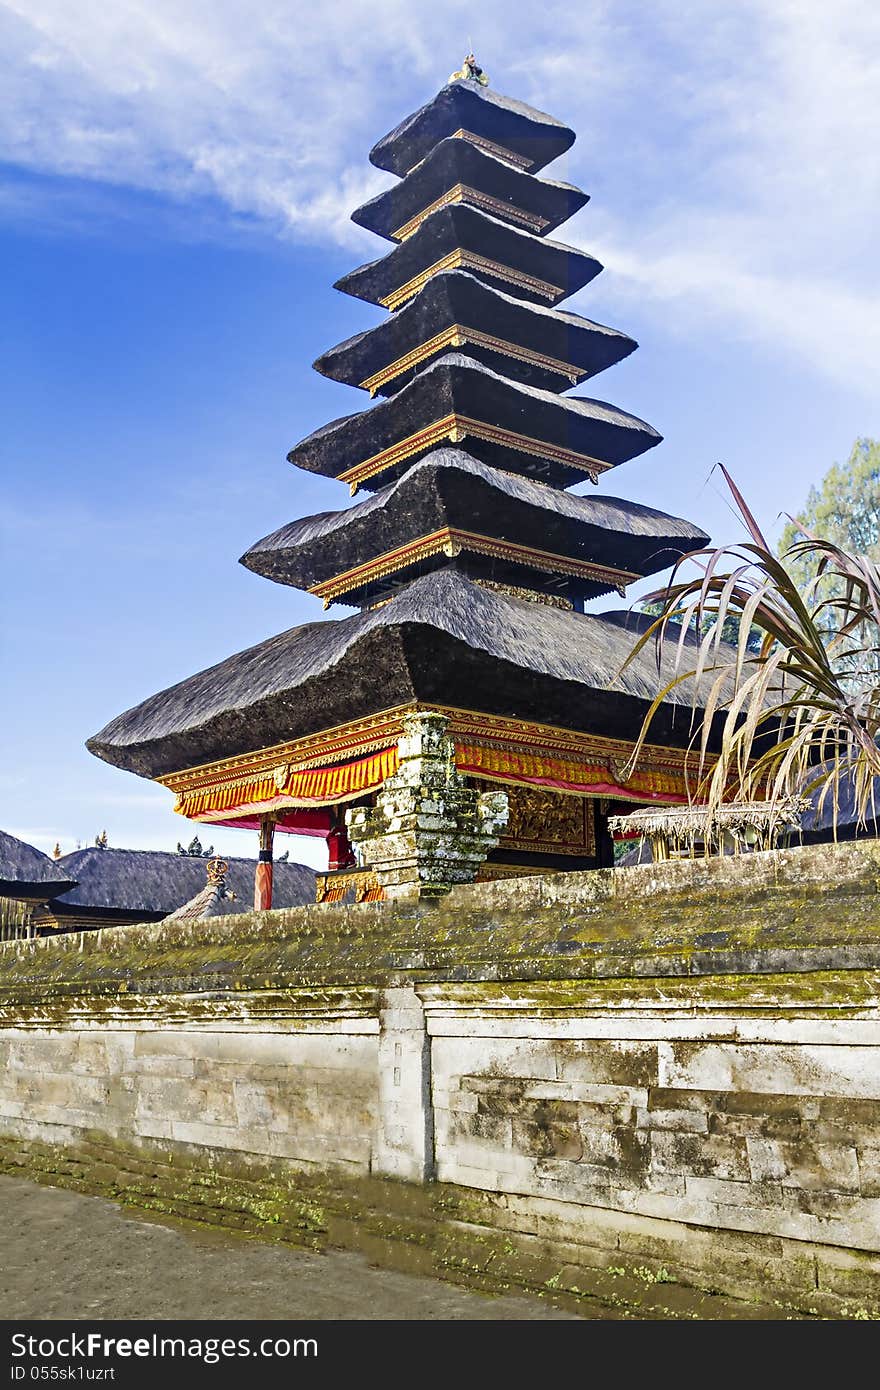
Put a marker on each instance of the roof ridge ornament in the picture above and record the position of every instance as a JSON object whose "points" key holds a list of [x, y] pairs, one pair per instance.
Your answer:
{"points": [[216, 871], [470, 71]]}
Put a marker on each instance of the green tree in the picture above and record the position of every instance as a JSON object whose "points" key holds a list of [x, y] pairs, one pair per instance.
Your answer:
{"points": [[844, 510], [793, 719], [729, 630]]}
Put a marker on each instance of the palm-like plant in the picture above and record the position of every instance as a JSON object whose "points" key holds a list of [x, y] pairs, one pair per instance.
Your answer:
{"points": [[798, 712]]}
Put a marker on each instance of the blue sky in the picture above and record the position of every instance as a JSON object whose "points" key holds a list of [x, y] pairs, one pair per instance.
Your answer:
{"points": [[175, 185]]}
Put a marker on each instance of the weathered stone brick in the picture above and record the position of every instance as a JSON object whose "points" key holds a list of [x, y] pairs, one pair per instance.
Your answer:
{"points": [[614, 1063], [559, 1140], [869, 1168], [683, 1121]]}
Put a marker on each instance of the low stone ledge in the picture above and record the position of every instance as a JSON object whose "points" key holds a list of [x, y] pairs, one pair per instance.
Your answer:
{"points": [[599, 1264], [796, 910]]}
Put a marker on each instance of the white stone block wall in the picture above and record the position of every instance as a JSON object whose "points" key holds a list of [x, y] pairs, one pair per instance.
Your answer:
{"points": [[306, 1097], [764, 1121], [752, 1135]]}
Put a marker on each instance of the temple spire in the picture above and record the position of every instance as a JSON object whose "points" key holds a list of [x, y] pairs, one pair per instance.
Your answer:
{"points": [[471, 665]]}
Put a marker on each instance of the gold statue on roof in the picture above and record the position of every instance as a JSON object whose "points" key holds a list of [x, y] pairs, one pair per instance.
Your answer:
{"points": [[470, 71]]}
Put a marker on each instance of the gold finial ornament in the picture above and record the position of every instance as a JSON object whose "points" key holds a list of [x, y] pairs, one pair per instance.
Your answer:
{"points": [[216, 870], [470, 71], [56, 853]]}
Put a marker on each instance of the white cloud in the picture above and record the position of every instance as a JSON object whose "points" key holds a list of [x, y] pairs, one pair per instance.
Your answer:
{"points": [[735, 142]]}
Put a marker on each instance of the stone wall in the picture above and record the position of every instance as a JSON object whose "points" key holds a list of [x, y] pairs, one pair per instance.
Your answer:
{"points": [[676, 1063], [309, 1098]]}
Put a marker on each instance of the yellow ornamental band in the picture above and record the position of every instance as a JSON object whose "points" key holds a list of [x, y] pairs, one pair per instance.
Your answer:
{"points": [[451, 541], [345, 762], [459, 336], [470, 260], [463, 193], [456, 428]]}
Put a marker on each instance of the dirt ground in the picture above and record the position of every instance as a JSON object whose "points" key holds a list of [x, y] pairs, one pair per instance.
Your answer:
{"points": [[64, 1255]]}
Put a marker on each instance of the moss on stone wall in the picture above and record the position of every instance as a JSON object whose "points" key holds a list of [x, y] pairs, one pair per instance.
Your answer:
{"points": [[480, 1240], [782, 912]]}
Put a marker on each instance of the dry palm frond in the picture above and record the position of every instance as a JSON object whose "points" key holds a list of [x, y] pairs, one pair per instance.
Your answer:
{"points": [[802, 710]]}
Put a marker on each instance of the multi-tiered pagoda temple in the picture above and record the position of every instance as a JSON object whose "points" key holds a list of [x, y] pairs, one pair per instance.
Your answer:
{"points": [[470, 719]]}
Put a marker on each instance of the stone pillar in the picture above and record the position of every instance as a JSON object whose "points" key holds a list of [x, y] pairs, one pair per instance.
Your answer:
{"points": [[428, 829], [405, 1129]]}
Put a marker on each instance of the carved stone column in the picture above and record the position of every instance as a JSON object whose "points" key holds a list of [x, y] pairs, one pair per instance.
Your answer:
{"points": [[428, 830]]}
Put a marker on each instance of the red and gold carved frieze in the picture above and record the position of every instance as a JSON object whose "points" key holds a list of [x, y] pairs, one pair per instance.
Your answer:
{"points": [[286, 774], [518, 750], [351, 760]]}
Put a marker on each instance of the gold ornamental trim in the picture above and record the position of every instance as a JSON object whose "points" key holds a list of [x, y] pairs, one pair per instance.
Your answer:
{"points": [[471, 260], [353, 739], [457, 335], [463, 193], [452, 540], [519, 161], [500, 731], [456, 428], [492, 747], [289, 786], [333, 887], [364, 735]]}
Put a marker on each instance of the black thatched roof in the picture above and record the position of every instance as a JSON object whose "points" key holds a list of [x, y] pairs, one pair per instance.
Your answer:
{"points": [[442, 640], [539, 205], [455, 298], [818, 822], [449, 488], [635, 622], [457, 384], [560, 270], [156, 881], [27, 872], [465, 105]]}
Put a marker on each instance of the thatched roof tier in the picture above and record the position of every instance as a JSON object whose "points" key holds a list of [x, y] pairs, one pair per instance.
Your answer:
{"points": [[448, 489], [442, 640], [547, 348], [557, 439], [158, 882], [25, 872], [837, 808], [532, 267], [456, 171], [475, 113]]}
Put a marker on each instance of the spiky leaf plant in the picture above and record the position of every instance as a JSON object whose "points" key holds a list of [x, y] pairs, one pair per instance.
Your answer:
{"points": [[799, 712]]}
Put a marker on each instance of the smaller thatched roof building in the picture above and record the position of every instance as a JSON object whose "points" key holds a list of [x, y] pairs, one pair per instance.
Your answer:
{"points": [[115, 886], [27, 874]]}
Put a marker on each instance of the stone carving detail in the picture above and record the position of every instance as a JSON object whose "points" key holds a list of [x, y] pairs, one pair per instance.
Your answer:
{"points": [[428, 829], [540, 816], [543, 821]]}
